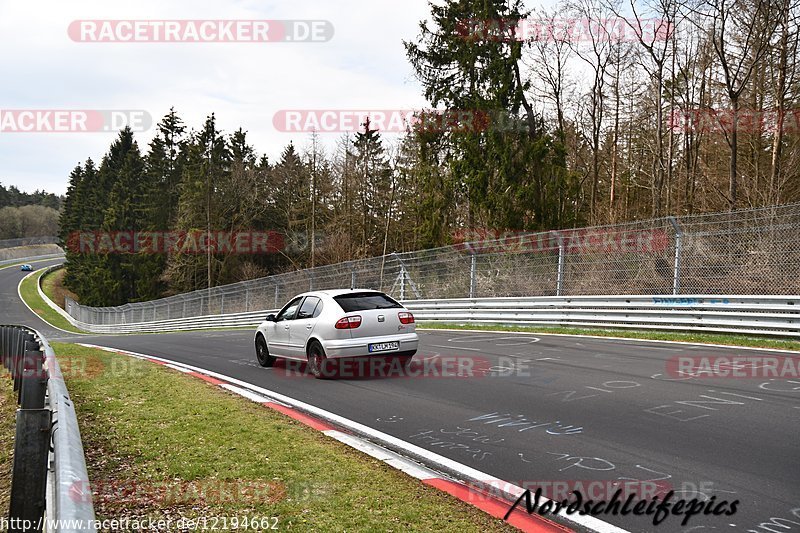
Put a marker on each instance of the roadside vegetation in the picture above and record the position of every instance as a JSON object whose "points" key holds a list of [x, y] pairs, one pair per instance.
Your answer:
{"points": [[53, 287], [163, 444]]}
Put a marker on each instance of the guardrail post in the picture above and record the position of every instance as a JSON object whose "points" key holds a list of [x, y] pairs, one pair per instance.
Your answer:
{"points": [[29, 474], [4, 353], [473, 267], [676, 272], [34, 382], [19, 338]]}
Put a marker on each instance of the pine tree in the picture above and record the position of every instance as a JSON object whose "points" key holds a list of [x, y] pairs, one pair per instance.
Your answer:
{"points": [[205, 170], [373, 189], [501, 158]]}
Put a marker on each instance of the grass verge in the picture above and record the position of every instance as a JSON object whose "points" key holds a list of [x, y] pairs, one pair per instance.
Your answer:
{"points": [[8, 407], [53, 287], [30, 294], [697, 338], [160, 444]]}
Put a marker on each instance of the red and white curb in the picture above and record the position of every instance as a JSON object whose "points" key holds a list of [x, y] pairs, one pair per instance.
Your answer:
{"points": [[326, 422]]}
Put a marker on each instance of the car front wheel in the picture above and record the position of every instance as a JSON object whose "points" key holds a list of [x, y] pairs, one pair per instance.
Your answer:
{"points": [[262, 353]]}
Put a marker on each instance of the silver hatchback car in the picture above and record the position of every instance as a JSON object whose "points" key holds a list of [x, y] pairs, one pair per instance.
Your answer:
{"points": [[321, 325]]}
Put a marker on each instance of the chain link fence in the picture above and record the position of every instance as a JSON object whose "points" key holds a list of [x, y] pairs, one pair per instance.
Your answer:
{"points": [[28, 241], [754, 252]]}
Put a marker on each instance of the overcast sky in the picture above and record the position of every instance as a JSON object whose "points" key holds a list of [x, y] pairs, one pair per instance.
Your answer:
{"points": [[245, 84]]}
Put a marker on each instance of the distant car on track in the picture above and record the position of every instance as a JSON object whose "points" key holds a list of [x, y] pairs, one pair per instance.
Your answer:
{"points": [[333, 324], [26, 268]]}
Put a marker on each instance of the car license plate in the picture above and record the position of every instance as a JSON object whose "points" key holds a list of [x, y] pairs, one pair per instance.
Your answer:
{"points": [[384, 347]]}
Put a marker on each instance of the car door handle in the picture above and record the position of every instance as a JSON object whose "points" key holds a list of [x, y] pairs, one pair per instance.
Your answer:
{"points": [[285, 327], [309, 326]]}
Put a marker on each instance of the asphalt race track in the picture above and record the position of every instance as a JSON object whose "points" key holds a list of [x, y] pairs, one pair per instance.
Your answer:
{"points": [[545, 409]]}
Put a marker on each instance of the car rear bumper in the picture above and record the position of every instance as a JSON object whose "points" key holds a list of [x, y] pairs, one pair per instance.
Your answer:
{"points": [[359, 347]]}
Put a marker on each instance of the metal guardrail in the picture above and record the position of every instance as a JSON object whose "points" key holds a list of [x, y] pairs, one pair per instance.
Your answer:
{"points": [[33, 258], [48, 453], [755, 315]]}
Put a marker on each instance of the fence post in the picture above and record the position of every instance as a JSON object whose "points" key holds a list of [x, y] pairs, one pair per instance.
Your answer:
{"points": [[560, 273], [676, 271], [402, 282], [352, 277], [276, 295], [472, 274]]}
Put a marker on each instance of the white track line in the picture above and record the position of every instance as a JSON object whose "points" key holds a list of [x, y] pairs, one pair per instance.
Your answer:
{"points": [[19, 294], [600, 337]]}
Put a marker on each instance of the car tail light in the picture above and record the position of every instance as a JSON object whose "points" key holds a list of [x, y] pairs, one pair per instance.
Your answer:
{"points": [[405, 318], [348, 322]]}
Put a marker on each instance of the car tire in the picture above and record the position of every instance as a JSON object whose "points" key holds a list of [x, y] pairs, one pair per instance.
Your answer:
{"points": [[262, 353], [318, 363]]}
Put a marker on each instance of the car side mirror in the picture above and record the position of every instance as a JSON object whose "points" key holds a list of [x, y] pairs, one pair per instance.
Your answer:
{"points": [[270, 318]]}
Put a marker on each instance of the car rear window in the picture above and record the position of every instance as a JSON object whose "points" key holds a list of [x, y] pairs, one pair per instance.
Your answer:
{"points": [[364, 301]]}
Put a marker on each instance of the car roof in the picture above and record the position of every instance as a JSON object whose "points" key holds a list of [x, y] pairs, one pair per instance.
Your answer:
{"points": [[338, 292]]}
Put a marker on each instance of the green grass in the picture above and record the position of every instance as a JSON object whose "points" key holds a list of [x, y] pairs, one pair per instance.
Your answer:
{"points": [[146, 426], [52, 286], [8, 406], [30, 294], [698, 338]]}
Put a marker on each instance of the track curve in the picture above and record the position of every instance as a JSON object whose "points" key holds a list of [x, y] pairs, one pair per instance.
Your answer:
{"points": [[573, 409]]}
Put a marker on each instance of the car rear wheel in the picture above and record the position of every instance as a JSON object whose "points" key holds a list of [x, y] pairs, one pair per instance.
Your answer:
{"points": [[318, 363], [262, 353]]}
